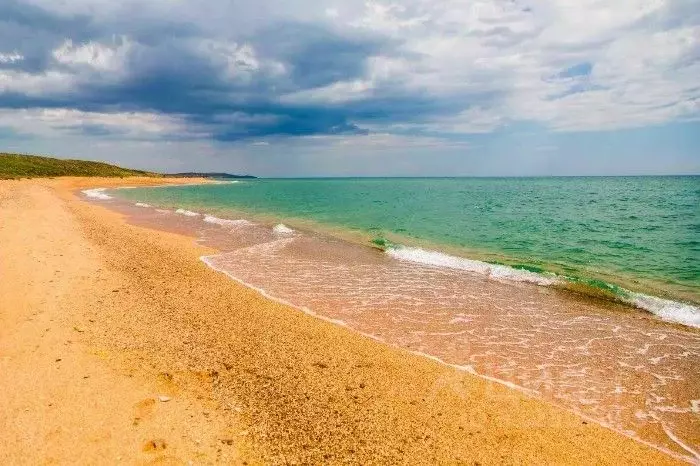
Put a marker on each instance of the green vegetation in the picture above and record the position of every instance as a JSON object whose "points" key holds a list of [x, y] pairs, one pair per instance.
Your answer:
{"points": [[14, 166]]}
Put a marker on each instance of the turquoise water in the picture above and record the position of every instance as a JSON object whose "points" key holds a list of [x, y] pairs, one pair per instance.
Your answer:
{"points": [[641, 233]]}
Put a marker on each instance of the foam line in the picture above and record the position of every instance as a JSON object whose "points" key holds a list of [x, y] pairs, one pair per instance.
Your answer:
{"points": [[670, 311], [97, 193], [225, 222], [187, 213], [282, 229], [665, 309], [496, 272]]}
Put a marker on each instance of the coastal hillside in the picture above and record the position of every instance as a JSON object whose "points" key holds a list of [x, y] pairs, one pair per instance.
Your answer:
{"points": [[14, 166]]}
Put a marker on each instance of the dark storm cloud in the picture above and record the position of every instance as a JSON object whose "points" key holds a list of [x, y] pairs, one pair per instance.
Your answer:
{"points": [[34, 33], [317, 56], [165, 72]]}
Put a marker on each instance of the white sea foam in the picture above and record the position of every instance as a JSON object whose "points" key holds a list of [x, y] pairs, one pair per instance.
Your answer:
{"points": [[225, 222], [496, 272], [142, 204], [163, 211], [186, 213], [97, 193], [503, 272], [665, 309], [282, 229]]}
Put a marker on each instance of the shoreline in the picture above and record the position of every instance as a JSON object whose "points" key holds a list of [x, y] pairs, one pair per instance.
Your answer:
{"points": [[612, 283], [465, 369], [306, 389], [678, 308], [202, 214]]}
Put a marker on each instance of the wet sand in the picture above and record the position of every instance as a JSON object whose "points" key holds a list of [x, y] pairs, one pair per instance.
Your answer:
{"points": [[101, 320]]}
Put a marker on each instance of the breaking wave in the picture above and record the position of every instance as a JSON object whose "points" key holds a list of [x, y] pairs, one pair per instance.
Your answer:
{"points": [[225, 222], [97, 193], [665, 309], [495, 272], [186, 213], [282, 229]]}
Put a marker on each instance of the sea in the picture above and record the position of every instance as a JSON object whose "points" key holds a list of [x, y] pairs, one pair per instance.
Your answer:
{"points": [[581, 291]]}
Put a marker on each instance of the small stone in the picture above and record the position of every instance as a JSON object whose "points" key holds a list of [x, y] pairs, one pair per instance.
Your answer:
{"points": [[164, 398], [227, 441]]}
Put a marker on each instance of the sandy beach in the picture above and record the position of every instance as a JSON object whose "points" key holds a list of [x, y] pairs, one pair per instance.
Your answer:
{"points": [[118, 345]]}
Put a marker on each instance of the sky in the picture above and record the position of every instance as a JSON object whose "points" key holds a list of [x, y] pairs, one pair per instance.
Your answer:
{"points": [[356, 88]]}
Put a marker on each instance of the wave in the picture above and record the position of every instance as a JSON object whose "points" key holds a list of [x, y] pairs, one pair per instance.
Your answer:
{"points": [[187, 213], [97, 193], [225, 222], [282, 229], [665, 309], [493, 271], [142, 204]]}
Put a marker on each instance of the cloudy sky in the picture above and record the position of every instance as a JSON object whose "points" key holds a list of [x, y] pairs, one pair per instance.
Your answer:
{"points": [[327, 87]]}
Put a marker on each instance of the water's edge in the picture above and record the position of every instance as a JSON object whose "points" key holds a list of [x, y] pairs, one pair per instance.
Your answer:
{"points": [[438, 259], [462, 368], [666, 309]]}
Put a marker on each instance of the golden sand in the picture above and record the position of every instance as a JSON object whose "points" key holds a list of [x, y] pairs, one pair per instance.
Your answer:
{"points": [[117, 344]]}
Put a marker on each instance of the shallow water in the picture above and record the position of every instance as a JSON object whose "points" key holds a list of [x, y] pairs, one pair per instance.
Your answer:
{"points": [[641, 233], [618, 365]]}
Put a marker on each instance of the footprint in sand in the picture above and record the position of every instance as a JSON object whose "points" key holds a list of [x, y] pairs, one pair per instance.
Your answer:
{"points": [[143, 410], [155, 445]]}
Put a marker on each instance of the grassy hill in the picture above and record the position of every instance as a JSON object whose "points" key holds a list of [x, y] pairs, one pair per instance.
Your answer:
{"points": [[13, 166]]}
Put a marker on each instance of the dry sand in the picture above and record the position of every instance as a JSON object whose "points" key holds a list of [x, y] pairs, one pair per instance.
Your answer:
{"points": [[101, 320]]}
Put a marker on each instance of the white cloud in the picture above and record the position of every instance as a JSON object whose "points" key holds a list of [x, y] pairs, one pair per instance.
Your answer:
{"points": [[10, 57], [503, 57], [79, 63], [240, 61], [54, 122], [48, 82], [94, 55], [336, 93], [470, 121]]}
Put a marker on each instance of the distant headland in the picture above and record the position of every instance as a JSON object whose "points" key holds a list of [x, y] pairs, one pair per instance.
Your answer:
{"points": [[207, 175]]}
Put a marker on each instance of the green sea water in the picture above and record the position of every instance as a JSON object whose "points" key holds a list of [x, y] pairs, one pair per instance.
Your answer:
{"points": [[641, 233]]}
